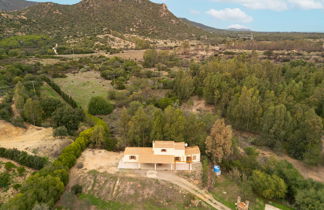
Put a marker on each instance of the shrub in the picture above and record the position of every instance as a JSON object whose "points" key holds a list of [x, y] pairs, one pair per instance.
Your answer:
{"points": [[60, 131], [268, 186], [99, 106], [76, 189], [4, 180], [9, 166], [17, 186], [21, 170]]}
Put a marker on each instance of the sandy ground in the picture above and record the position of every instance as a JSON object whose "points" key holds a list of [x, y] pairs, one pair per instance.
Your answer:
{"points": [[100, 160], [36, 140], [130, 54]]}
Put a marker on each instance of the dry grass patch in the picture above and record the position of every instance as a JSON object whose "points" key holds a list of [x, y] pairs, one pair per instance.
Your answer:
{"points": [[84, 85]]}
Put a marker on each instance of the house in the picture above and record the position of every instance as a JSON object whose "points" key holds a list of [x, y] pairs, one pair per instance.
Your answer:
{"points": [[164, 155]]}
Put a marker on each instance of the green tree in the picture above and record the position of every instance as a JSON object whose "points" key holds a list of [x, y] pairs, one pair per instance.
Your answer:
{"points": [[183, 86], [151, 58], [20, 96], [276, 124], [33, 111], [49, 105], [245, 110], [310, 199], [268, 186], [139, 128], [174, 126], [68, 117], [99, 136], [99, 106], [157, 126]]}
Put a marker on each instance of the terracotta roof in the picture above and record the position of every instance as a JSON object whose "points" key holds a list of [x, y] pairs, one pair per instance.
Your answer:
{"points": [[179, 145], [138, 150], [146, 155], [192, 150], [163, 144], [151, 158]]}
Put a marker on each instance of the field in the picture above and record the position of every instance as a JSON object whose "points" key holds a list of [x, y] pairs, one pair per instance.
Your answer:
{"points": [[84, 85]]}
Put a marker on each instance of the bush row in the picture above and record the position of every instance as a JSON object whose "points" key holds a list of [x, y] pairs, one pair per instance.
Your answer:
{"points": [[23, 158], [57, 88]]}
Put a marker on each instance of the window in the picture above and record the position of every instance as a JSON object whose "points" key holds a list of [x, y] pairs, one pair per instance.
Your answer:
{"points": [[177, 158], [163, 150], [132, 157], [194, 157]]}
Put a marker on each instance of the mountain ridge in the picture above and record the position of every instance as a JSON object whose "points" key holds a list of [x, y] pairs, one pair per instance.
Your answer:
{"points": [[11, 5], [102, 16]]}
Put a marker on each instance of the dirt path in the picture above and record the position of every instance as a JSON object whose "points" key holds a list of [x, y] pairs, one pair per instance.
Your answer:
{"points": [[184, 184], [127, 54]]}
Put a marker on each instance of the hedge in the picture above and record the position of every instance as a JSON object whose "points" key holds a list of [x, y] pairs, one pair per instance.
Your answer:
{"points": [[23, 158], [68, 99]]}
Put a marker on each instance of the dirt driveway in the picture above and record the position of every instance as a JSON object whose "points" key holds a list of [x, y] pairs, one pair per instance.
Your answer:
{"points": [[184, 184]]}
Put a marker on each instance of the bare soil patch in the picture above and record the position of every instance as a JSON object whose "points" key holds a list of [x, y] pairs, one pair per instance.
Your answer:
{"points": [[130, 54], [100, 160], [34, 140], [197, 105]]}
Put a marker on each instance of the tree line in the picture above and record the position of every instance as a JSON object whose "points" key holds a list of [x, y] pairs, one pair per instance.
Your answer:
{"points": [[23, 158]]}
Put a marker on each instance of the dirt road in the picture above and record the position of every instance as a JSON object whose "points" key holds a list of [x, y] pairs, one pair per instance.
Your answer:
{"points": [[184, 184]]}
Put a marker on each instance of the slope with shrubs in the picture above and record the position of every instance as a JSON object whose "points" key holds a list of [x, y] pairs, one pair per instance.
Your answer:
{"points": [[101, 16]]}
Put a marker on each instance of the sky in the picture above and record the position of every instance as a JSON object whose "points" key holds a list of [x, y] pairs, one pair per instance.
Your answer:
{"points": [[257, 15]]}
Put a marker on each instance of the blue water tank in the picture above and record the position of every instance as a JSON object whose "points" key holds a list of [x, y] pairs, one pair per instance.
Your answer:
{"points": [[217, 169]]}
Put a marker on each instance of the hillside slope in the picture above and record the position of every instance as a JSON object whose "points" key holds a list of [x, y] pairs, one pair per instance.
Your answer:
{"points": [[90, 17], [10, 5]]}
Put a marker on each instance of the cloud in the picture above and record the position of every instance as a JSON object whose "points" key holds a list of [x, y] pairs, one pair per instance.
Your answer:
{"points": [[230, 14], [238, 26], [308, 4], [277, 5]]}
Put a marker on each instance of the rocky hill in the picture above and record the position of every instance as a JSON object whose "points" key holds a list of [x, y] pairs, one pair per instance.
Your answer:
{"points": [[10, 5], [90, 17]]}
